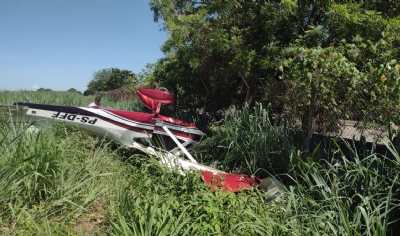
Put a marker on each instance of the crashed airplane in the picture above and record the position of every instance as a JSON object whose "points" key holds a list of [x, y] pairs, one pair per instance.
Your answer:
{"points": [[135, 129]]}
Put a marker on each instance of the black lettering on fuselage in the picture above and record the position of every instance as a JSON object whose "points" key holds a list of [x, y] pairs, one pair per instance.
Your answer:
{"points": [[84, 119], [71, 117], [92, 121], [55, 115], [63, 116]]}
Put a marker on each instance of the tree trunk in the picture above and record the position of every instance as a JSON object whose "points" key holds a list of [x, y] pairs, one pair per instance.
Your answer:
{"points": [[203, 118], [175, 96], [311, 114], [248, 98], [250, 94], [310, 120]]}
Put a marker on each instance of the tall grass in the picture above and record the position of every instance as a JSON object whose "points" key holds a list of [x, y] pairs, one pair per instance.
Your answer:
{"points": [[350, 196], [52, 178], [64, 99], [158, 201], [248, 143], [45, 97], [45, 174], [58, 180], [353, 190], [49, 177]]}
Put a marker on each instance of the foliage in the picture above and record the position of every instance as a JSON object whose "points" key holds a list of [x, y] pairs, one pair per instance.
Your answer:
{"points": [[248, 143], [66, 99], [146, 75], [353, 189], [220, 53], [109, 79], [73, 90], [58, 180], [43, 89], [353, 194], [326, 79], [46, 97], [222, 47], [158, 201], [45, 174]]}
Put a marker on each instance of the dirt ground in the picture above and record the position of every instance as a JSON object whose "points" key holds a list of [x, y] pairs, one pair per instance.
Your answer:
{"points": [[93, 223], [349, 130]]}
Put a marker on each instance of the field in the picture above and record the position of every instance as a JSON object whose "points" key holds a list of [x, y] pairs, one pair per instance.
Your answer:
{"points": [[61, 181]]}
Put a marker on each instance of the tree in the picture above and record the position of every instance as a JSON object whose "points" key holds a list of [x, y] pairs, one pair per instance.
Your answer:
{"points": [[99, 81], [109, 79], [343, 66], [229, 51], [120, 78], [224, 46], [43, 89], [73, 90], [147, 74]]}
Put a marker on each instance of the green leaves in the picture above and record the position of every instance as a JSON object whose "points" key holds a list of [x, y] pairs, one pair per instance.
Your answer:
{"points": [[110, 79], [230, 52], [248, 143], [214, 44]]}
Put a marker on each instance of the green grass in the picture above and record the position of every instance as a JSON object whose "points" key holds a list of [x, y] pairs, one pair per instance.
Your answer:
{"points": [[247, 143], [62, 98], [355, 193], [59, 181]]}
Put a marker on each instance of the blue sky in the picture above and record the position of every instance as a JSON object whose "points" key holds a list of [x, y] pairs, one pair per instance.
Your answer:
{"points": [[58, 44]]}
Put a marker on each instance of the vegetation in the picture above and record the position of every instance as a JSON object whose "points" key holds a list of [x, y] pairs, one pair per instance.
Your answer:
{"points": [[331, 60], [109, 79], [44, 89], [335, 60], [318, 63], [58, 180], [74, 90]]}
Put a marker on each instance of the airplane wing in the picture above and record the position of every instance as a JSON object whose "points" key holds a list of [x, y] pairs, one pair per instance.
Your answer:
{"points": [[4, 108], [17, 112]]}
